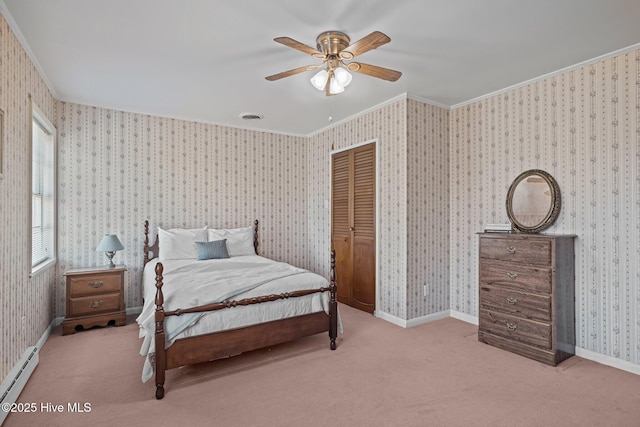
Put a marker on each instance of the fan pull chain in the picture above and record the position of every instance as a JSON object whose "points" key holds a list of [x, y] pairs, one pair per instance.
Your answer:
{"points": [[331, 109]]}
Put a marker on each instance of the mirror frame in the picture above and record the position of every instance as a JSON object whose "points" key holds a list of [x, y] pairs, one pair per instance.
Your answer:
{"points": [[554, 209]]}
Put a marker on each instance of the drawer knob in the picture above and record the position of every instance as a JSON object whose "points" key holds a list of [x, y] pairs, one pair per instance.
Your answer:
{"points": [[96, 284], [511, 326], [96, 304], [511, 250], [511, 300], [512, 275]]}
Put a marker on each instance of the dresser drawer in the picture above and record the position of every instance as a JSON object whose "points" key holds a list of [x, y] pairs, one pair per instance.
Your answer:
{"points": [[520, 251], [506, 300], [514, 328], [97, 304], [520, 277], [94, 284]]}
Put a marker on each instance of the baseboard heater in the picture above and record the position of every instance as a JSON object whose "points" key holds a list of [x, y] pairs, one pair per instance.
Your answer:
{"points": [[17, 378]]}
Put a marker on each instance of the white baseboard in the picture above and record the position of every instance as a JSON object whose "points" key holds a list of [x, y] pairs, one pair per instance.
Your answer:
{"points": [[464, 317], [134, 310], [608, 360], [18, 376], [603, 359], [412, 322]]}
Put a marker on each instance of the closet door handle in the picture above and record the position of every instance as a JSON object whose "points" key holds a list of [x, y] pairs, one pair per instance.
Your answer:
{"points": [[352, 229]]}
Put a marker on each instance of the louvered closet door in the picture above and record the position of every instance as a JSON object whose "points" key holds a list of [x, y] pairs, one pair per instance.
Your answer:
{"points": [[353, 226]]}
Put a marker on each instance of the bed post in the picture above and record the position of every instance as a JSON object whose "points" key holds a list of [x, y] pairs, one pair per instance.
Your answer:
{"points": [[159, 338], [333, 304], [255, 236], [146, 242]]}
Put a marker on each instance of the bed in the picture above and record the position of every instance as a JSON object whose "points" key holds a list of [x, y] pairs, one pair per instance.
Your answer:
{"points": [[211, 307]]}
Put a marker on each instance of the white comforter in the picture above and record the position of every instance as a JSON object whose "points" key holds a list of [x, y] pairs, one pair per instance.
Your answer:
{"points": [[189, 283]]}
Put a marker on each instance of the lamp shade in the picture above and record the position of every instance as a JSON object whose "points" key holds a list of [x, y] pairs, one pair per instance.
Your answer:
{"points": [[319, 80], [109, 243], [335, 87], [342, 76]]}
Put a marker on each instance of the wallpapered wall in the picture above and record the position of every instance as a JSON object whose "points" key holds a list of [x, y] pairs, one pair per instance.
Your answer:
{"points": [[20, 296], [583, 127], [427, 209], [413, 202], [389, 124], [117, 169]]}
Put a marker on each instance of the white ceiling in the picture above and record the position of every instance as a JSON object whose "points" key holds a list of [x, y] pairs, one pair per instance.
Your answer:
{"points": [[205, 60]]}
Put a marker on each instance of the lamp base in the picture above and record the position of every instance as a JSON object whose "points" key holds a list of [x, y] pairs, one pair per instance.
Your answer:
{"points": [[110, 255]]}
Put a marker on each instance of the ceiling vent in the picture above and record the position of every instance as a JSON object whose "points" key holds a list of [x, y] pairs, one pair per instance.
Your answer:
{"points": [[251, 116]]}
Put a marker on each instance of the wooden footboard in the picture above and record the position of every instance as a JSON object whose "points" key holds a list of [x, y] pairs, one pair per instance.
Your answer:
{"points": [[215, 345]]}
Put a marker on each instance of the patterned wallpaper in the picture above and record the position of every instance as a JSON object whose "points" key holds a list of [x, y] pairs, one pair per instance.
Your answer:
{"points": [[427, 209], [583, 127], [25, 303], [389, 125], [412, 202], [117, 169]]}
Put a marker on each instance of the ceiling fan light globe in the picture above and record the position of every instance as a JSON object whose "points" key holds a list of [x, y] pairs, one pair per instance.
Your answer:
{"points": [[319, 80], [335, 87], [342, 76]]}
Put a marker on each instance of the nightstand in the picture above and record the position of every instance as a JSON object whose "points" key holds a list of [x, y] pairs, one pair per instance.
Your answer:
{"points": [[95, 297]]}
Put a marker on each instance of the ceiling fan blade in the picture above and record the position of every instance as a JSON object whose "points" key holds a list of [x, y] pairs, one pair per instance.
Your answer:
{"points": [[374, 71], [288, 41], [365, 44], [291, 72]]}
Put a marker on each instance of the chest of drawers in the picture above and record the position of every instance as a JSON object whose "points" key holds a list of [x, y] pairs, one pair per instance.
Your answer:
{"points": [[527, 294], [95, 297]]}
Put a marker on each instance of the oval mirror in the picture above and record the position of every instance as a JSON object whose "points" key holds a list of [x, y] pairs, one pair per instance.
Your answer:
{"points": [[533, 201]]}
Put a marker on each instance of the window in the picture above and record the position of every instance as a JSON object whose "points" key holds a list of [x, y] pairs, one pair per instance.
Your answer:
{"points": [[43, 196]]}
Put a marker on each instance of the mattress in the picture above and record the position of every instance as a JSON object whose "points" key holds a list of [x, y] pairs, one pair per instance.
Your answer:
{"points": [[189, 283]]}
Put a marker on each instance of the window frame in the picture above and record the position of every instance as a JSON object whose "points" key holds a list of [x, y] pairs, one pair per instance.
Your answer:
{"points": [[38, 117]]}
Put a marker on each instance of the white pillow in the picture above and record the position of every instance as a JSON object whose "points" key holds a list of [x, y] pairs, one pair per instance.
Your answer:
{"points": [[179, 243], [239, 240]]}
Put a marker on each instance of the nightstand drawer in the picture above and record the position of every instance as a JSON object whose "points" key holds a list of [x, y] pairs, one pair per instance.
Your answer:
{"points": [[96, 304], [517, 329], [521, 251], [529, 306], [524, 278], [94, 284]]}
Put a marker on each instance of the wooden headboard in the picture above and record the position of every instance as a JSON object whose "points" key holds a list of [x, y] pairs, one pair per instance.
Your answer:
{"points": [[151, 251]]}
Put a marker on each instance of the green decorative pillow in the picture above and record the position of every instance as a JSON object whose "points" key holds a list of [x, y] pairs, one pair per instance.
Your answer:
{"points": [[212, 250]]}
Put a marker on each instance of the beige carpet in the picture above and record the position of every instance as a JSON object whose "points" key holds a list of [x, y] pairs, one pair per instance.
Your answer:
{"points": [[381, 375]]}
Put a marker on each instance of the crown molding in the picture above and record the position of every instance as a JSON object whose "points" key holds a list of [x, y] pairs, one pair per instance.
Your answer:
{"points": [[549, 75], [23, 42], [359, 114], [428, 101]]}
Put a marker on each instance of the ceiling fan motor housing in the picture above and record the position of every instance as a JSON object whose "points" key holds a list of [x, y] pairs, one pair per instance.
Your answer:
{"points": [[332, 42]]}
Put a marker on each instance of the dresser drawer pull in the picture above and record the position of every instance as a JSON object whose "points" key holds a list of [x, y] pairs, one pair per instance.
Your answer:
{"points": [[512, 275], [511, 326], [96, 284], [511, 300], [96, 304], [511, 250]]}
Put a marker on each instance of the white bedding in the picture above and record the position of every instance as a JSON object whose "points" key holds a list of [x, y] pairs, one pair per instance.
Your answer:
{"points": [[189, 283]]}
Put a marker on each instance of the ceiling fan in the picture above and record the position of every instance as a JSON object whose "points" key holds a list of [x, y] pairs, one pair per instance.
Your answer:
{"points": [[334, 48]]}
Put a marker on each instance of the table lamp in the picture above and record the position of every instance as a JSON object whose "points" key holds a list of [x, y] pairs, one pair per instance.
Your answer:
{"points": [[109, 245]]}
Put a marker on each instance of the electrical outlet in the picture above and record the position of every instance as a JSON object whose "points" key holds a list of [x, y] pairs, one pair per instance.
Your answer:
{"points": [[425, 290]]}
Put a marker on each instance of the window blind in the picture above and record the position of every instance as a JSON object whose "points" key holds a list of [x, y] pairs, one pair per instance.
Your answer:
{"points": [[42, 194]]}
